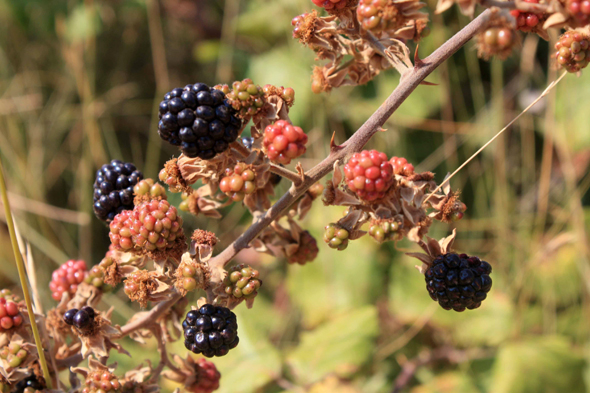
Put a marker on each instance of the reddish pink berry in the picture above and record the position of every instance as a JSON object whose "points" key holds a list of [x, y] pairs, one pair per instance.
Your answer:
{"points": [[150, 226], [330, 4], [573, 52], [6, 323], [401, 166], [527, 21], [238, 182], [283, 142], [580, 11], [369, 174], [66, 278], [207, 377]]}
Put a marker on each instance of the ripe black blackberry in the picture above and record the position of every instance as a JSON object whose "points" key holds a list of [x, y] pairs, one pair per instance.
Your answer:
{"points": [[458, 281], [113, 189], [29, 384], [82, 319], [199, 119], [212, 330]]}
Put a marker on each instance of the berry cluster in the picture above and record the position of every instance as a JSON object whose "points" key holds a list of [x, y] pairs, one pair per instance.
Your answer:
{"points": [[307, 251], [336, 236], [212, 330], [82, 319], [189, 283], [401, 166], [101, 381], [330, 4], [287, 94], [384, 230], [207, 377], [245, 97], [113, 189], [199, 120], [151, 226], [9, 315], [369, 174], [149, 188], [526, 21], [238, 182], [580, 10], [458, 281], [283, 142], [67, 278], [572, 51], [95, 276], [379, 15], [28, 385], [498, 39], [242, 282], [14, 354]]}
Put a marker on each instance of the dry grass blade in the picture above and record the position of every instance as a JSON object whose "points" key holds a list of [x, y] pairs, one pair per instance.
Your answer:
{"points": [[448, 178]]}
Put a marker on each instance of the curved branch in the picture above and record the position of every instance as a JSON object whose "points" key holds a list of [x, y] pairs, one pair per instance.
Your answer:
{"points": [[410, 80]]}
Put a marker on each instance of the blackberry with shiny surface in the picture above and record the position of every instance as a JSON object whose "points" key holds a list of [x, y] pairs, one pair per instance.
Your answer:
{"points": [[458, 282], [199, 119], [113, 189], [29, 384], [211, 330]]}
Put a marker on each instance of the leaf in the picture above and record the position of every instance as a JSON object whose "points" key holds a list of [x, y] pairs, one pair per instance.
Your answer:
{"points": [[546, 364], [340, 346], [255, 351]]}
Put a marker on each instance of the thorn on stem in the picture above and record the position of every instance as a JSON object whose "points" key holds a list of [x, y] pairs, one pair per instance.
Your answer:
{"points": [[418, 63], [333, 146]]}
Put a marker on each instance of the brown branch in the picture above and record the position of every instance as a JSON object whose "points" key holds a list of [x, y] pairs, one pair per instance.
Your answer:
{"points": [[284, 172], [410, 80], [447, 354], [150, 317], [164, 359]]}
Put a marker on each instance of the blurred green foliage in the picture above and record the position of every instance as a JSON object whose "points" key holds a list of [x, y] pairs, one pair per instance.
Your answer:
{"points": [[79, 81]]}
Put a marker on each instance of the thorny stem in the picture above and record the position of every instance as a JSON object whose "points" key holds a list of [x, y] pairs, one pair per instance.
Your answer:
{"points": [[164, 360], [409, 81], [284, 172]]}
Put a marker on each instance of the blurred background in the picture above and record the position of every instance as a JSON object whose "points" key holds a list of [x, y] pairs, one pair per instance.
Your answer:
{"points": [[80, 82]]}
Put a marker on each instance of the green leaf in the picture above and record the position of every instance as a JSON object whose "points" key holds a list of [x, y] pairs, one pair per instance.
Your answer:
{"points": [[543, 364], [255, 351], [339, 346]]}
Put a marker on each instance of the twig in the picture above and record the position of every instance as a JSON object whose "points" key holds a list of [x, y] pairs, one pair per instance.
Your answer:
{"points": [[449, 354], [164, 360], [408, 83], [151, 316], [287, 174], [240, 149], [543, 94]]}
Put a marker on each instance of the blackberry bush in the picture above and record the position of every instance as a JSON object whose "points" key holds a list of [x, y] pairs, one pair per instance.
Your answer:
{"points": [[458, 282], [211, 331], [199, 119], [113, 189]]}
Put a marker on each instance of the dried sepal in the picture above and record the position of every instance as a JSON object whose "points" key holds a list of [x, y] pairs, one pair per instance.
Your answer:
{"points": [[98, 340], [143, 286], [467, 7], [432, 249]]}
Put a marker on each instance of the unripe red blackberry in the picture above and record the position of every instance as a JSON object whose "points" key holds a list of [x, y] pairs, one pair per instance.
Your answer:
{"points": [[336, 236], [207, 377], [238, 182], [283, 142], [149, 188], [14, 354], [573, 53], [527, 21], [101, 381], [9, 315], [242, 282], [245, 97], [330, 4], [580, 11], [150, 226], [379, 15], [212, 330], [401, 166], [113, 189], [458, 281], [198, 119], [384, 230], [369, 175], [287, 94], [67, 278]]}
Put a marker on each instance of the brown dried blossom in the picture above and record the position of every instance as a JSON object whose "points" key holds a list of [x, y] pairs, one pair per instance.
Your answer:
{"points": [[172, 176], [433, 248], [195, 375], [143, 286], [98, 340]]}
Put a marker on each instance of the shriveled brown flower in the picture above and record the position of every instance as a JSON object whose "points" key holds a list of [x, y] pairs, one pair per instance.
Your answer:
{"points": [[143, 286]]}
